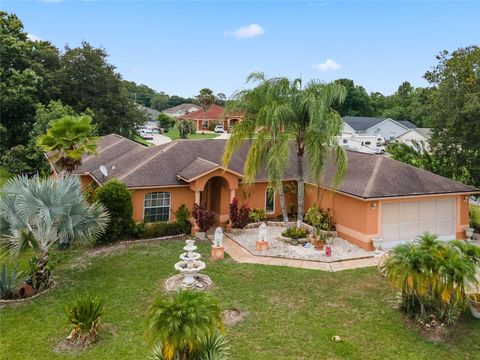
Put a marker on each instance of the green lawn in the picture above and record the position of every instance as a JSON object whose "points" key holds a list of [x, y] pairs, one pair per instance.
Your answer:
{"points": [[174, 135], [292, 313], [142, 141], [475, 209], [4, 175]]}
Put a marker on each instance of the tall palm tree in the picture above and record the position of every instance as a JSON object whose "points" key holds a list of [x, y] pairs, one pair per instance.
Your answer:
{"points": [[39, 213], [68, 139], [181, 323], [284, 109]]}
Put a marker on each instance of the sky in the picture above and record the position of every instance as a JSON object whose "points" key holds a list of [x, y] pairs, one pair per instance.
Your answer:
{"points": [[180, 47]]}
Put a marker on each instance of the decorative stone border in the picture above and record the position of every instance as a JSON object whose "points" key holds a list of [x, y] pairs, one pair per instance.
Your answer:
{"points": [[22, 300], [300, 241]]}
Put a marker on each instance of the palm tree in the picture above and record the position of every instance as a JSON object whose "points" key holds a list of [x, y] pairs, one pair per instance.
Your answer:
{"points": [[68, 139], [39, 213], [185, 127], [283, 107], [181, 323]]}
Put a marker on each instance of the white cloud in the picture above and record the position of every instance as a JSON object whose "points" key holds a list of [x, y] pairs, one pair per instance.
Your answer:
{"points": [[245, 32], [34, 37], [328, 65]]}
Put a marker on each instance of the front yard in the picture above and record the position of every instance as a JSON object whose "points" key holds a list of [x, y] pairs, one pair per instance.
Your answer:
{"points": [[174, 135], [291, 313]]}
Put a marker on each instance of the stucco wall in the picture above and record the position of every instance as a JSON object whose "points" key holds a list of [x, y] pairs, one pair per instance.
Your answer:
{"points": [[387, 129]]}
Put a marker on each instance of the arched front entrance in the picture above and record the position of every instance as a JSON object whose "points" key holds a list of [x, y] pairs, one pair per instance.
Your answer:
{"points": [[216, 197]]}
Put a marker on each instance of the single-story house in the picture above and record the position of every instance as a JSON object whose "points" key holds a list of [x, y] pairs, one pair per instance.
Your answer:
{"points": [[389, 129], [378, 196], [181, 109], [419, 135], [214, 115], [151, 115]]}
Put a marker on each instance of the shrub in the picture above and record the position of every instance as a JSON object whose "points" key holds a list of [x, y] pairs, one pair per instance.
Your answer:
{"points": [[319, 219], [165, 121], [115, 196], [84, 314], [238, 217], [204, 218], [158, 229], [432, 276], [8, 281], [295, 232], [181, 216], [256, 215]]}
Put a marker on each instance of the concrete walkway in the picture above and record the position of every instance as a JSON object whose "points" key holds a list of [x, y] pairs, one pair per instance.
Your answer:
{"points": [[241, 255], [159, 139]]}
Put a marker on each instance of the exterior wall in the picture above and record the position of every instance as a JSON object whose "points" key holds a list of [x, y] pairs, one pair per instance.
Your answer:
{"points": [[387, 128], [85, 180], [179, 196], [410, 136]]}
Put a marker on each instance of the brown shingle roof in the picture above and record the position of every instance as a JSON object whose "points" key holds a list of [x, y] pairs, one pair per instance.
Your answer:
{"points": [[214, 112], [368, 176]]}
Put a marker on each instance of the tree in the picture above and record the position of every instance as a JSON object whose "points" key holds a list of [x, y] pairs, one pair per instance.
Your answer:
{"points": [[185, 127], [357, 102], [416, 155], [205, 98], [181, 323], [455, 110], [87, 81], [69, 138], [165, 121], [221, 99], [302, 113], [116, 198], [39, 213]]}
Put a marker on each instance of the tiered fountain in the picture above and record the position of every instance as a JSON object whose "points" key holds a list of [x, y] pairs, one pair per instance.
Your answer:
{"points": [[189, 268]]}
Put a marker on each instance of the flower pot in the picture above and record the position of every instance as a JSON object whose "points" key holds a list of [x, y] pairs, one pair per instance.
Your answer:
{"points": [[469, 233], [474, 305], [319, 245]]}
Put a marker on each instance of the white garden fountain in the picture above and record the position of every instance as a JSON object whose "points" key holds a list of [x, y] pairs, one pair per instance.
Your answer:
{"points": [[189, 268]]}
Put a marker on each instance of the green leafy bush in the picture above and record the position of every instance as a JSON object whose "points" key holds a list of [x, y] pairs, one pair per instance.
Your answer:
{"points": [[295, 232], [256, 215], [84, 314], [319, 219], [158, 229], [115, 196], [8, 281], [181, 216], [432, 276]]}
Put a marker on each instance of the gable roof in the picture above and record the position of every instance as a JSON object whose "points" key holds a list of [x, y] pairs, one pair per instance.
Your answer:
{"points": [[363, 123], [214, 112], [425, 132], [181, 108], [368, 176], [149, 111]]}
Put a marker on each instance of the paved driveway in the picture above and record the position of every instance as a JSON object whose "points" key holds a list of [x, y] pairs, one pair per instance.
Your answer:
{"points": [[159, 139]]}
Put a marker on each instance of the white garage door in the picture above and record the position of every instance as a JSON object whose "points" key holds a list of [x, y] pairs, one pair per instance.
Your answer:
{"points": [[402, 222]]}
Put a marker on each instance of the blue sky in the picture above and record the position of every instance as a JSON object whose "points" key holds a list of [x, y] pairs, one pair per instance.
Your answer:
{"points": [[180, 47]]}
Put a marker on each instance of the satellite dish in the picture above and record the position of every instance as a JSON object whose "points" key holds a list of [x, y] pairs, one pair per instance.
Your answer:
{"points": [[103, 170]]}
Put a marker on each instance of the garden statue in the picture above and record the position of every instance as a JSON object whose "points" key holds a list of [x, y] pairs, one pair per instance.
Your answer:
{"points": [[262, 232], [218, 251], [218, 236], [262, 243]]}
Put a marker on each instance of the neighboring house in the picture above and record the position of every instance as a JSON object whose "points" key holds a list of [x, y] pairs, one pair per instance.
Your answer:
{"points": [[388, 128], [152, 116], [181, 109], [213, 116], [378, 196], [418, 135]]}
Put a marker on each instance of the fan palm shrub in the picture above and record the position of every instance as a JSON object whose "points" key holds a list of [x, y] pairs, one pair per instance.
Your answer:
{"points": [[278, 110], [180, 324], [8, 281], [84, 315], [39, 213], [67, 140], [432, 276]]}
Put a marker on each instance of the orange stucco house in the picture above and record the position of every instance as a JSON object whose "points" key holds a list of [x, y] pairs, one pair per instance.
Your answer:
{"points": [[214, 115], [378, 196]]}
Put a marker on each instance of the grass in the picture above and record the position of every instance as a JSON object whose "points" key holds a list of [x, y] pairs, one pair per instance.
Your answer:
{"points": [[174, 135], [4, 175], [475, 209], [292, 313], [142, 141]]}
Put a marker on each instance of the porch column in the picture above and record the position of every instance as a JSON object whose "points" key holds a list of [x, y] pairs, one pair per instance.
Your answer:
{"points": [[197, 197], [232, 194]]}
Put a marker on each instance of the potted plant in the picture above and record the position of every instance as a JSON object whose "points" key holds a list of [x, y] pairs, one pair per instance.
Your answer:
{"points": [[294, 235], [319, 240], [204, 219], [475, 304]]}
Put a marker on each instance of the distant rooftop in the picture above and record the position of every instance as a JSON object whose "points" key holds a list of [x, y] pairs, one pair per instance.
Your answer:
{"points": [[363, 123], [214, 112], [182, 108]]}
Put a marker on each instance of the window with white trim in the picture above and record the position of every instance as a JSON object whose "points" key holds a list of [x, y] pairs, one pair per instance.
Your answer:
{"points": [[157, 207], [269, 200]]}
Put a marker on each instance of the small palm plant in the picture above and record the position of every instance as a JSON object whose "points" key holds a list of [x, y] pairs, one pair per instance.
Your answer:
{"points": [[432, 276], [39, 213], [8, 281], [84, 314], [179, 325]]}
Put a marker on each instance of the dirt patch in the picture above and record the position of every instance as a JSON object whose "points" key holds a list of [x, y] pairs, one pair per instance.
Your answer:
{"points": [[233, 316], [76, 343], [431, 329]]}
